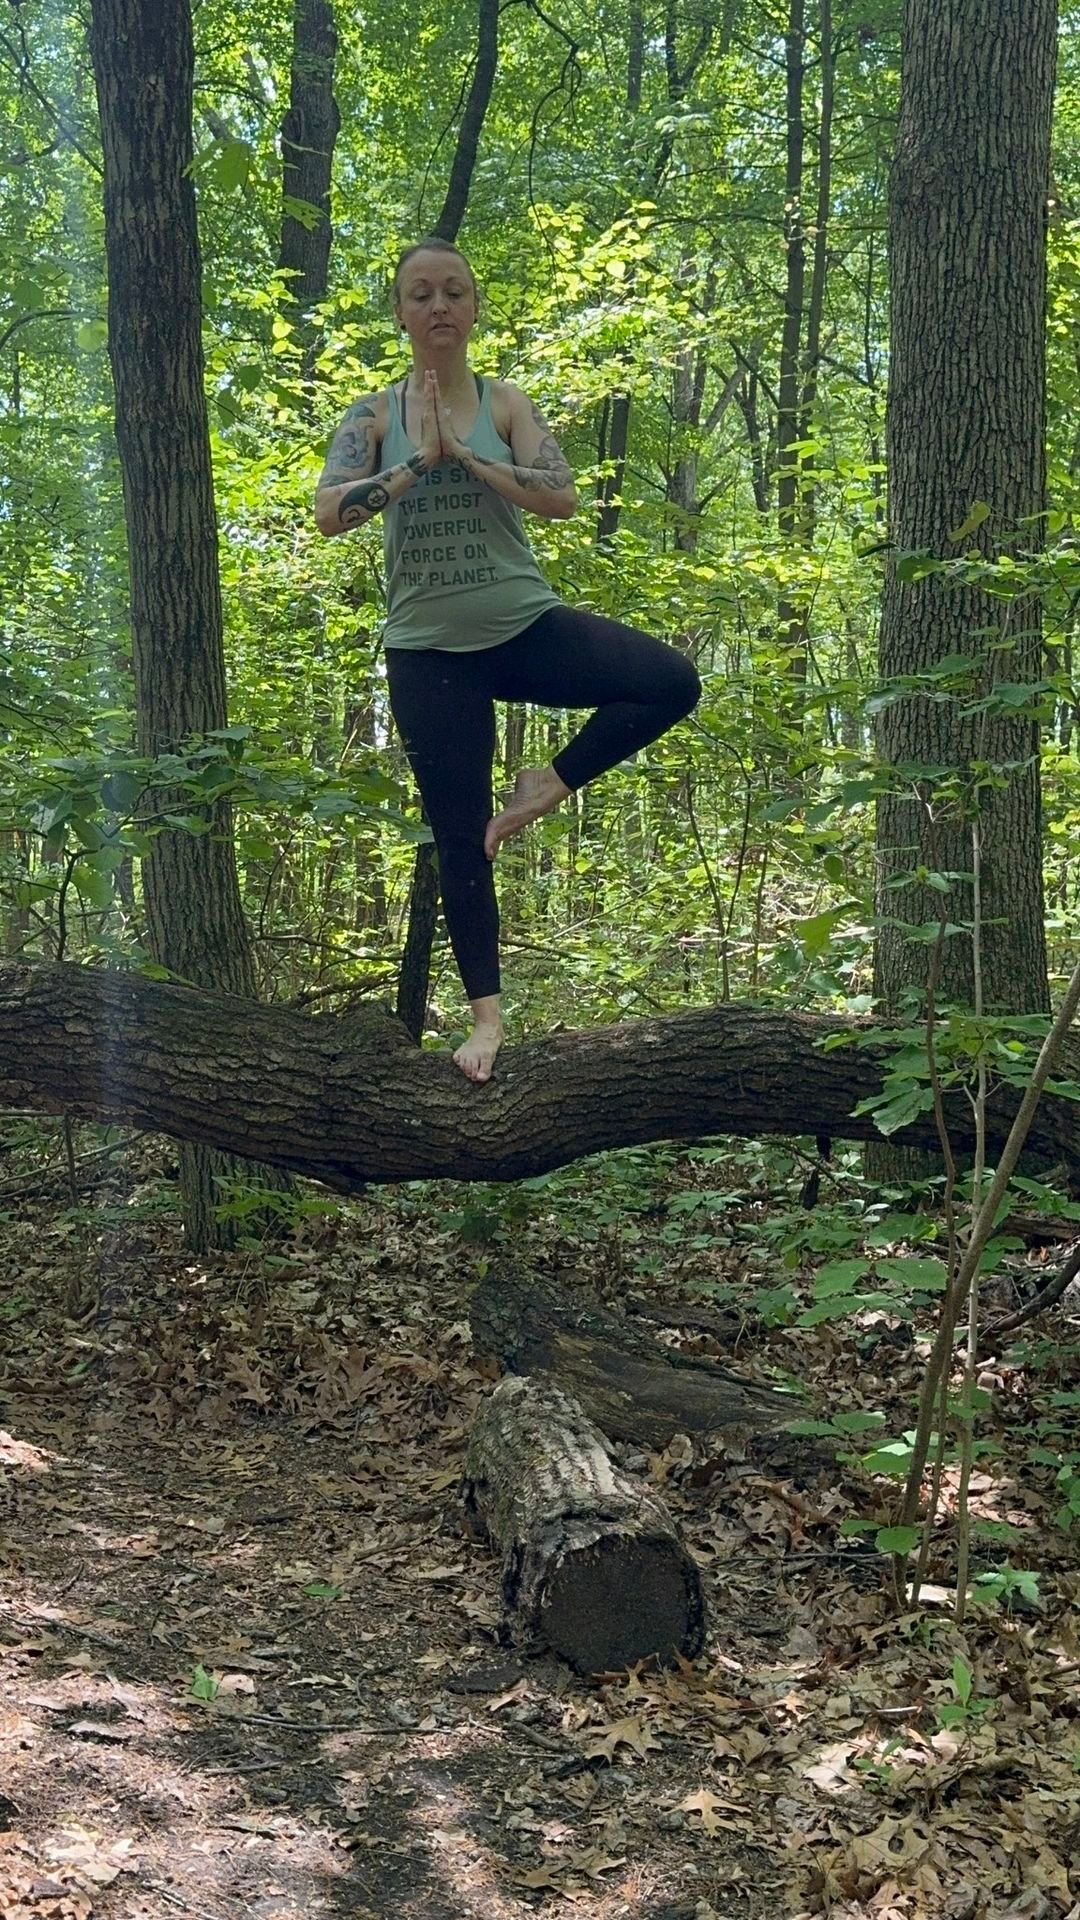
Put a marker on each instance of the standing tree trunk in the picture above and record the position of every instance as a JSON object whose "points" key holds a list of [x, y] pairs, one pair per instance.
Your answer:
{"points": [[143, 68], [308, 135], [965, 424], [788, 422]]}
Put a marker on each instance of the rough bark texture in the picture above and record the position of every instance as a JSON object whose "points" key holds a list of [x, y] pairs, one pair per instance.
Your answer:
{"points": [[965, 423], [143, 68], [592, 1564], [632, 1387], [349, 1099], [308, 136], [143, 65]]}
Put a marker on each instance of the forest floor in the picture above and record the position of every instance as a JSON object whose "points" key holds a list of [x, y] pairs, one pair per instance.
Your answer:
{"points": [[252, 1658]]}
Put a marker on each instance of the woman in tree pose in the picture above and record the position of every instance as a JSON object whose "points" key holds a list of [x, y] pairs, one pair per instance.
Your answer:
{"points": [[449, 460]]}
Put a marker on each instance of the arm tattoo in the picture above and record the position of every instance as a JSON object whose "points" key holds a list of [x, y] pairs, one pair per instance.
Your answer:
{"points": [[350, 449], [552, 464], [361, 502]]}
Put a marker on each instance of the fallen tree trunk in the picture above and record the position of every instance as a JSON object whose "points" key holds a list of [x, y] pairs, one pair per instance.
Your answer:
{"points": [[631, 1386], [592, 1564], [348, 1099]]}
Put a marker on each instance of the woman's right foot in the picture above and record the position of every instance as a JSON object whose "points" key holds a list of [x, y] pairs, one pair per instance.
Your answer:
{"points": [[537, 790], [476, 1055]]}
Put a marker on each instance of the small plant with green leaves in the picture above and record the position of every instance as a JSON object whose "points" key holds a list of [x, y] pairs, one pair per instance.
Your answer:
{"points": [[966, 1708], [1005, 1586]]}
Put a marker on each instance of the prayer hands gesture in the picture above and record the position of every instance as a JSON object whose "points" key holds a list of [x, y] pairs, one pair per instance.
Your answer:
{"points": [[431, 447], [450, 446]]}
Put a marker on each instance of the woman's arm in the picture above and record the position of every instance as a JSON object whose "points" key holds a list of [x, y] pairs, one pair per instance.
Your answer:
{"points": [[350, 492], [540, 479]]}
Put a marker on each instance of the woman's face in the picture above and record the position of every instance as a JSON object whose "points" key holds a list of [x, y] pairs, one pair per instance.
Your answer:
{"points": [[436, 302]]}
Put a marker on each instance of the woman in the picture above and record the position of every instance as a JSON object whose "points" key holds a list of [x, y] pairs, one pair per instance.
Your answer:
{"points": [[450, 460]]}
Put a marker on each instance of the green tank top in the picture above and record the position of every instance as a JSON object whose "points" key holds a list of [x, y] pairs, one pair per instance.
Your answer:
{"points": [[460, 573]]}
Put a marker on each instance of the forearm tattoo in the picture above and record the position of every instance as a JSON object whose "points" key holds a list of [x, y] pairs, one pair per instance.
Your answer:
{"points": [[550, 468], [371, 496], [361, 502]]}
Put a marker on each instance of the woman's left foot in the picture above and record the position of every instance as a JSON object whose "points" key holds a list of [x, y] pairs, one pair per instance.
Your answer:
{"points": [[537, 790]]}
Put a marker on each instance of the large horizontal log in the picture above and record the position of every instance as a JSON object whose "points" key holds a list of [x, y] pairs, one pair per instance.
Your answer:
{"points": [[631, 1386], [592, 1563], [348, 1099]]}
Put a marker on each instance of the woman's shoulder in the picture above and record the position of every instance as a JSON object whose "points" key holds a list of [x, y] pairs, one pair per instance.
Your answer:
{"points": [[504, 397]]}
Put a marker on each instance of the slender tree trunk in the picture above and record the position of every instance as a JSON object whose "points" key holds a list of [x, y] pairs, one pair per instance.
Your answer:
{"points": [[143, 67], [965, 424], [788, 424], [308, 136], [449, 221]]}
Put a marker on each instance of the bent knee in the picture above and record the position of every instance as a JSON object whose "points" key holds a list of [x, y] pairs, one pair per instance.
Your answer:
{"points": [[685, 686]]}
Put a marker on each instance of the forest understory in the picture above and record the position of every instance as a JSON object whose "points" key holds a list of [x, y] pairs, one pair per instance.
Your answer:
{"points": [[254, 1661]]}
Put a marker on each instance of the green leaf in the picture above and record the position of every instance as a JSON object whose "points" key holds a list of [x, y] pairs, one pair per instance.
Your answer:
{"points": [[858, 1421], [231, 167], [897, 1539], [91, 336], [923, 1276], [893, 1458], [203, 1685], [838, 1276], [980, 511], [961, 1678], [323, 1589]]}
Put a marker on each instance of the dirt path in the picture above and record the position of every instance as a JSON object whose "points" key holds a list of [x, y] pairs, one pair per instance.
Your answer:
{"points": [[252, 1662]]}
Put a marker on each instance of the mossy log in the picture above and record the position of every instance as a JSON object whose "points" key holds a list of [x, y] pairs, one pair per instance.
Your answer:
{"points": [[593, 1565], [633, 1388]]}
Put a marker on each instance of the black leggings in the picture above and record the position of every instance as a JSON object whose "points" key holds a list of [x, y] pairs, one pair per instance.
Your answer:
{"points": [[442, 703]]}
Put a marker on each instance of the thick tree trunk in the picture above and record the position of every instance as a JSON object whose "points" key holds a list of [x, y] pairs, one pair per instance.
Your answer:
{"points": [[592, 1564], [633, 1388], [143, 67], [965, 424], [349, 1099]]}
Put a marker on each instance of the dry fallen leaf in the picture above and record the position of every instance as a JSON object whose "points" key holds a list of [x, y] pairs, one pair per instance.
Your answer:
{"points": [[630, 1732]]}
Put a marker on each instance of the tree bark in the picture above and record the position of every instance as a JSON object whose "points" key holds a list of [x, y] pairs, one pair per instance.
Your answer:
{"points": [[349, 1099], [144, 68], [308, 136], [472, 123], [633, 1388], [592, 1564], [965, 423]]}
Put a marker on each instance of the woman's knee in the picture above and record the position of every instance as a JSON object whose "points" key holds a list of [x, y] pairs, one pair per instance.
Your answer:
{"points": [[685, 683]]}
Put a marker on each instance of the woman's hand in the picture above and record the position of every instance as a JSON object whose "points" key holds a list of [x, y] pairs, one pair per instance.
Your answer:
{"points": [[451, 446], [431, 448]]}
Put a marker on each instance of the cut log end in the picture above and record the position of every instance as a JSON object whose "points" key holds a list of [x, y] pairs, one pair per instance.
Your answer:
{"points": [[619, 1601], [593, 1565]]}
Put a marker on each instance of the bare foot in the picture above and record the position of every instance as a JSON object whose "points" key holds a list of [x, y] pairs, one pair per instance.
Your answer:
{"points": [[536, 791], [476, 1055]]}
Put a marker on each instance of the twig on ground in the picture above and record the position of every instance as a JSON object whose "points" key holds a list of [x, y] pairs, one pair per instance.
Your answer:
{"points": [[1047, 1296]]}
